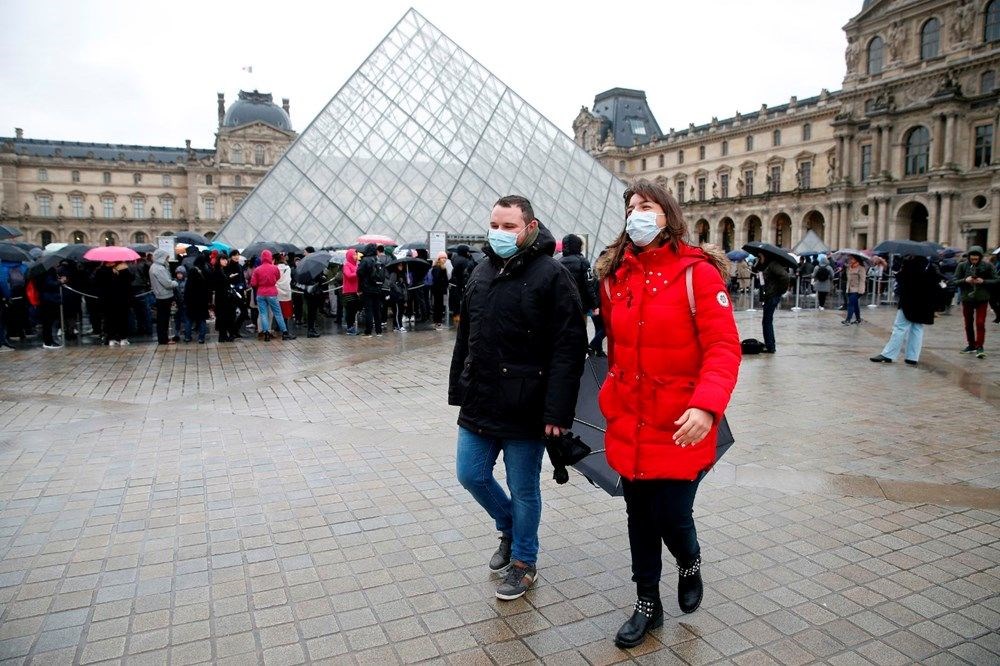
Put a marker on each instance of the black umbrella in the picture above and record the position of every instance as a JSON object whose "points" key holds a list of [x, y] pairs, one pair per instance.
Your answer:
{"points": [[905, 247], [190, 238], [143, 248], [9, 232], [757, 249], [311, 267], [857, 254], [73, 251], [409, 262], [415, 245], [43, 264], [254, 249], [290, 248], [11, 252]]}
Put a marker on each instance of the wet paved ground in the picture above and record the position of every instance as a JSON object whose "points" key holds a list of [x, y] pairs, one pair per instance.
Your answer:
{"points": [[296, 502]]}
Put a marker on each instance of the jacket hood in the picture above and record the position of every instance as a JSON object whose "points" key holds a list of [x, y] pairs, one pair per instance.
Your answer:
{"points": [[464, 251], [266, 257], [369, 250], [160, 257], [975, 249], [191, 251], [572, 244], [686, 255], [545, 243], [352, 256], [182, 270], [823, 261]]}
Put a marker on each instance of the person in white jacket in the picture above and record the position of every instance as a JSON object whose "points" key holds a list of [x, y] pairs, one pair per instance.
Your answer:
{"points": [[284, 286]]}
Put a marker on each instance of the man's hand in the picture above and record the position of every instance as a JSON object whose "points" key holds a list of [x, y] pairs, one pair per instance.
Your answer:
{"points": [[553, 431], [694, 425], [970, 280], [596, 311]]}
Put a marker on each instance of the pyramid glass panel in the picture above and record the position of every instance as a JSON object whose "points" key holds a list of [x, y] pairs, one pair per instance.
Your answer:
{"points": [[424, 138]]}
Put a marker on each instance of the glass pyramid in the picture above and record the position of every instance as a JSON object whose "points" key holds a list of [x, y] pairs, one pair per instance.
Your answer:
{"points": [[422, 137]]}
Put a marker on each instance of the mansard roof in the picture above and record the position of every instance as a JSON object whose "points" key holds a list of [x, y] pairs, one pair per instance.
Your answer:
{"points": [[109, 152]]}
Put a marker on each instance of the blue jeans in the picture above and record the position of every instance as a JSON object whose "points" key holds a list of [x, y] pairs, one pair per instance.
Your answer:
{"points": [[854, 306], [914, 341], [265, 303], [770, 305], [517, 516]]}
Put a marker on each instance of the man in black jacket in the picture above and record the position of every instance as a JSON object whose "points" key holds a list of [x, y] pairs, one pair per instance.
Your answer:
{"points": [[515, 374], [579, 268], [371, 275], [462, 266]]}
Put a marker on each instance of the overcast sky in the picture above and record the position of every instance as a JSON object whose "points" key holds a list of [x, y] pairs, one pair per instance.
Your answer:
{"points": [[148, 73]]}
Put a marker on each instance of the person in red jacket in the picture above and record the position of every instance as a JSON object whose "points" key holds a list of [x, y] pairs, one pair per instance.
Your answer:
{"points": [[671, 373], [352, 301], [265, 280]]}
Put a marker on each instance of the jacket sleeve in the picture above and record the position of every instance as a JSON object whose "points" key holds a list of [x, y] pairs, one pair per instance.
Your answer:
{"points": [[719, 341], [161, 277], [254, 279], [603, 289], [569, 350], [992, 279], [458, 356]]}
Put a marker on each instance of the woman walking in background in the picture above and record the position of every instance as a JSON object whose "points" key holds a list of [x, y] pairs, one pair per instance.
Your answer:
{"points": [[439, 288], [919, 285], [822, 278], [855, 276], [673, 358]]}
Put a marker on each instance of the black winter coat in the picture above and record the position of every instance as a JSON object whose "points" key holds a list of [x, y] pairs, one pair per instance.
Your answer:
{"points": [[367, 284], [579, 270], [919, 290], [521, 345], [197, 293]]}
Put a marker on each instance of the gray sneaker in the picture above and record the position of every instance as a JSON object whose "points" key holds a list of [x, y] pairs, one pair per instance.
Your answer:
{"points": [[501, 558], [519, 578]]}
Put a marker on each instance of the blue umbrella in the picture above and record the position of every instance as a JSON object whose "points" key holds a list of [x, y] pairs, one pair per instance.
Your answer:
{"points": [[737, 255], [220, 246]]}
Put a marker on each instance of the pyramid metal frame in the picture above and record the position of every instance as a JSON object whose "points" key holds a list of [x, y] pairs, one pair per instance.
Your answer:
{"points": [[422, 137]]}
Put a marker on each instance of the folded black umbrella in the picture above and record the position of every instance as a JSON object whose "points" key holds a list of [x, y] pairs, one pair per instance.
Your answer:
{"points": [[905, 247], [567, 449], [9, 232], [757, 248], [11, 252], [190, 238]]}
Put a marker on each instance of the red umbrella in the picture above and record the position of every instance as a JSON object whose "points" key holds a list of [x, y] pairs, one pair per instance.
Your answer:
{"points": [[111, 253], [377, 239]]}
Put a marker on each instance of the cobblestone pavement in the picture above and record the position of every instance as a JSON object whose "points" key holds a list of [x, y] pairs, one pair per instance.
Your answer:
{"points": [[296, 502]]}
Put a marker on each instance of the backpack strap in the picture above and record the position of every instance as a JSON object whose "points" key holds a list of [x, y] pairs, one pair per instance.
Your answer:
{"points": [[689, 281]]}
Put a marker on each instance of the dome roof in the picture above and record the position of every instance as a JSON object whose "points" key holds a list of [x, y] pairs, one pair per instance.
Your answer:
{"points": [[254, 107]]}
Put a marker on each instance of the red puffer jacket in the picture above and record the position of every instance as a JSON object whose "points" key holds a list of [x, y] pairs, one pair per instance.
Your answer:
{"points": [[661, 364]]}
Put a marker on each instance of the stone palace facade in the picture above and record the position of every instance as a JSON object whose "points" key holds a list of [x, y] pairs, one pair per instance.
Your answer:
{"points": [[110, 194], [903, 150]]}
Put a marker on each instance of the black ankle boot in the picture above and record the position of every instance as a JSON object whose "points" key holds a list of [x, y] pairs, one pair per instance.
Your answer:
{"points": [[646, 616], [689, 587]]}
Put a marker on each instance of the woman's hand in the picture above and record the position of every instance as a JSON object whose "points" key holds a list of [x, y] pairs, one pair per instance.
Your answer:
{"points": [[693, 424]]}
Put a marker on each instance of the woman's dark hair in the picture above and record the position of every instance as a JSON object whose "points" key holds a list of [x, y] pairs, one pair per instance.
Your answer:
{"points": [[673, 233]]}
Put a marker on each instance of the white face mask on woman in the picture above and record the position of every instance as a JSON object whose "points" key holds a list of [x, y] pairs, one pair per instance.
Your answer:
{"points": [[641, 227]]}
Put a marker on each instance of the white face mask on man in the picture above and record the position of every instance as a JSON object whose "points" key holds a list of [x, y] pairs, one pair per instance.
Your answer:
{"points": [[641, 227]]}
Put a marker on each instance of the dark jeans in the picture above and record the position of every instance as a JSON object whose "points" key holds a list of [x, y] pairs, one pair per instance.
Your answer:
{"points": [[438, 308], [975, 323], [397, 314], [854, 306], [50, 317], [373, 306], [770, 305], [313, 303], [821, 297], [660, 511], [163, 320], [597, 343], [352, 304]]}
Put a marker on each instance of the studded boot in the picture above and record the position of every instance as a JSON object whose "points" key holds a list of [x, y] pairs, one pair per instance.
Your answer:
{"points": [[689, 587], [646, 616]]}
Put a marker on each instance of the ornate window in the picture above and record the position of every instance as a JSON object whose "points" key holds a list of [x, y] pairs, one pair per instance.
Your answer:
{"points": [[110, 238], [209, 209], [876, 51], [136, 178], [621, 166], [749, 143], [918, 142], [78, 237], [748, 182], [643, 164], [680, 157], [775, 179], [45, 237], [807, 132], [724, 185], [701, 188], [984, 145], [43, 175], [109, 207], [805, 175], [930, 39], [866, 161], [725, 148], [106, 177], [138, 208], [991, 32], [208, 179], [45, 205], [167, 204], [167, 180], [987, 82], [239, 179], [661, 160], [680, 191], [236, 155], [76, 205], [701, 152], [776, 138], [258, 154], [74, 176], [139, 237]]}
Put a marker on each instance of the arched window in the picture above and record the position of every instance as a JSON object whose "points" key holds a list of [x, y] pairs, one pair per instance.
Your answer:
{"points": [[807, 132], [258, 154], [78, 237], [621, 166], [991, 33], [749, 143], [930, 39], [918, 142], [239, 180], [138, 237], [661, 160], [776, 138], [45, 237], [701, 152], [987, 82], [643, 164], [680, 157], [110, 238], [236, 155], [725, 148], [876, 48]]}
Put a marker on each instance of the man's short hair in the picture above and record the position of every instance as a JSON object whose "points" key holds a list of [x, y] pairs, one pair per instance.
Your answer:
{"points": [[380, 248], [513, 200], [310, 249]]}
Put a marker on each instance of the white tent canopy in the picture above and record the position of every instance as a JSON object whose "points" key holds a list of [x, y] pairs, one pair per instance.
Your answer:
{"points": [[810, 244]]}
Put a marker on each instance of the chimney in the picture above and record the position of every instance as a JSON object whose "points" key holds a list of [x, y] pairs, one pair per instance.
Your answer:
{"points": [[284, 105], [222, 108], [18, 133]]}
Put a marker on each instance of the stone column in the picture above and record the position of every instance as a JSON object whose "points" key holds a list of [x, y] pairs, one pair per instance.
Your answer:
{"points": [[949, 140], [887, 164], [934, 223], [993, 235], [833, 226], [840, 159], [937, 143], [873, 217], [877, 154], [844, 229], [883, 225], [849, 158], [946, 228]]}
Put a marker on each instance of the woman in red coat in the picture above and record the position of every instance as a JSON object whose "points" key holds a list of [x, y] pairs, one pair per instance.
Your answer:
{"points": [[671, 373]]}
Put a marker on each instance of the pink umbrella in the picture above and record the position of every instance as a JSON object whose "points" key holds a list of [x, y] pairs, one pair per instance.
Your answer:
{"points": [[377, 239], [111, 253]]}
